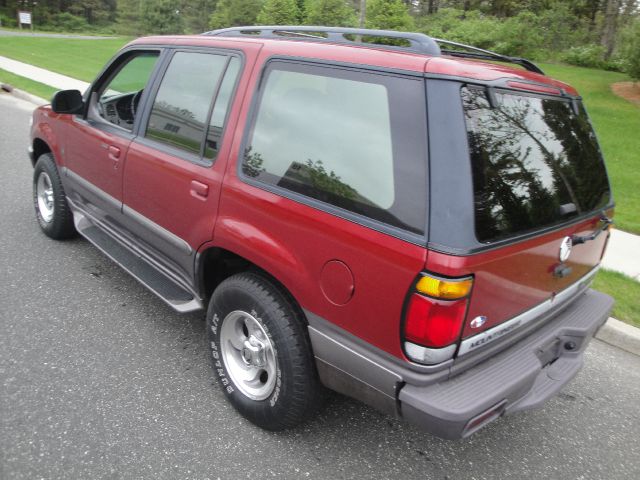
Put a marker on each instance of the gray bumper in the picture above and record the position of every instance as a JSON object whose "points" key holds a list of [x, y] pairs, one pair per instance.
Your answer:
{"points": [[523, 376]]}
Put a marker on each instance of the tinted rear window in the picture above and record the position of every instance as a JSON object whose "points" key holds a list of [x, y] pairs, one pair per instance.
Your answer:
{"points": [[535, 163]]}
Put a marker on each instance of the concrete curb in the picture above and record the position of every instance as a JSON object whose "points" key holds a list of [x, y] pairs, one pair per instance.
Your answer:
{"points": [[22, 95], [622, 335]]}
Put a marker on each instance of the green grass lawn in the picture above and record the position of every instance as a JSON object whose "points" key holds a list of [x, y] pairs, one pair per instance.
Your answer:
{"points": [[35, 88], [626, 292], [81, 59], [617, 124]]}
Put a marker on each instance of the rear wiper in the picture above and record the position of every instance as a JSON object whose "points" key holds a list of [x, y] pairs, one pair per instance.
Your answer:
{"points": [[578, 239]]}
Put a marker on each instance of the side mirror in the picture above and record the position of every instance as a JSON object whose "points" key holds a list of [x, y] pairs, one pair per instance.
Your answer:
{"points": [[67, 101]]}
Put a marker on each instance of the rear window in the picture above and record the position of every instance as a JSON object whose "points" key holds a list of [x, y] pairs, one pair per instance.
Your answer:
{"points": [[535, 162], [351, 139]]}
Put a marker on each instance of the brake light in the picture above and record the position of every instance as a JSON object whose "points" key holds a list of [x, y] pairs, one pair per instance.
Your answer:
{"points": [[533, 87], [434, 323], [434, 317]]}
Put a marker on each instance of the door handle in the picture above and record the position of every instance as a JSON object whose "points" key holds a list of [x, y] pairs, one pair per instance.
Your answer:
{"points": [[114, 151], [199, 190], [114, 155]]}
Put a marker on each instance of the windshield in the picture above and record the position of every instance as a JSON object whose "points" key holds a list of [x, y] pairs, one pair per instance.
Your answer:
{"points": [[535, 162]]}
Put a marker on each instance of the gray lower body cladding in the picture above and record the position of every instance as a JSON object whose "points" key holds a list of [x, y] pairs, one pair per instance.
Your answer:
{"points": [[523, 376]]}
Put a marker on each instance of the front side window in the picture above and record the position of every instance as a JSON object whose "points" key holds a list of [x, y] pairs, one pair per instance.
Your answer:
{"points": [[535, 162], [118, 100], [351, 139], [180, 112]]}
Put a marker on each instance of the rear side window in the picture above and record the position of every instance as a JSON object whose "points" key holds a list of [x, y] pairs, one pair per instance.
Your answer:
{"points": [[180, 113], [352, 139], [535, 162], [220, 109]]}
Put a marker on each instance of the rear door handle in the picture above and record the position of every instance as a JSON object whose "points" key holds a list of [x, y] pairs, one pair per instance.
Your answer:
{"points": [[199, 190]]}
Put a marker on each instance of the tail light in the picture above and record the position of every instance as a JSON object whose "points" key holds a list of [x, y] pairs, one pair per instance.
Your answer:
{"points": [[434, 316]]}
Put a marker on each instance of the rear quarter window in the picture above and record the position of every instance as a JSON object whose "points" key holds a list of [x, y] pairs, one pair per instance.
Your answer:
{"points": [[351, 139]]}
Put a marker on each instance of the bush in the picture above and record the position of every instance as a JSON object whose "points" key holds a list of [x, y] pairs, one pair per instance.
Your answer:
{"points": [[630, 50], [331, 13], [536, 36], [389, 15], [67, 22], [591, 56], [234, 13], [279, 12], [7, 21]]}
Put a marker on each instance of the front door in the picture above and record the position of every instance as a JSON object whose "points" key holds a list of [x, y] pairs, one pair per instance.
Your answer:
{"points": [[97, 142]]}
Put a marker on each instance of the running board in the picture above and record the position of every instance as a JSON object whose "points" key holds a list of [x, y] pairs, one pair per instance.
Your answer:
{"points": [[169, 291]]}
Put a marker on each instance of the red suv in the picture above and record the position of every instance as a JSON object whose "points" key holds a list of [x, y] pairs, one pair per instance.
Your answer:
{"points": [[379, 213]]}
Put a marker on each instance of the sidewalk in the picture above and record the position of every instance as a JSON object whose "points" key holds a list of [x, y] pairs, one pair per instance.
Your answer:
{"points": [[623, 254], [55, 80]]}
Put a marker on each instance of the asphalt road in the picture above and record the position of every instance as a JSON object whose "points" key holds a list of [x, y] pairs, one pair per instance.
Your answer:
{"points": [[101, 380]]}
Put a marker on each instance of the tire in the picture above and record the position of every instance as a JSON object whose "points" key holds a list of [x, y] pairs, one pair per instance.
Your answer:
{"points": [[52, 211], [273, 383]]}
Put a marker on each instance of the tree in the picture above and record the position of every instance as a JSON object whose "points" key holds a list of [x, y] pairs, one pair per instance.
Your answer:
{"points": [[196, 14], [611, 13], [160, 17], [279, 12], [235, 13], [128, 17], [389, 15], [331, 13]]}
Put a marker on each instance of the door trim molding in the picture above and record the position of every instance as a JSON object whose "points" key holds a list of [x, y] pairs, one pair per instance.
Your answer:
{"points": [[158, 230], [180, 244]]}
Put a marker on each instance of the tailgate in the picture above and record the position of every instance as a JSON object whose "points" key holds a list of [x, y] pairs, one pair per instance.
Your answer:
{"points": [[514, 279], [539, 182]]}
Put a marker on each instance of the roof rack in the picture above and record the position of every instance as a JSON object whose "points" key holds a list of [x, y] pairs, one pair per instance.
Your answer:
{"points": [[482, 54], [418, 42]]}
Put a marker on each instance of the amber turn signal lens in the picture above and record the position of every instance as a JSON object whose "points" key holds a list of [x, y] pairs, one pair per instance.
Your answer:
{"points": [[444, 289]]}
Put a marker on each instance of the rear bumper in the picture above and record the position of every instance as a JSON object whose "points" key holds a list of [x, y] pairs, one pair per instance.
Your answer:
{"points": [[522, 377]]}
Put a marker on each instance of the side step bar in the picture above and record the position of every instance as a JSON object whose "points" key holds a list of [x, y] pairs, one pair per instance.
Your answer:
{"points": [[169, 291]]}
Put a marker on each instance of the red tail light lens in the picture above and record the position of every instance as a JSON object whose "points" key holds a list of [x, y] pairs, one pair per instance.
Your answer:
{"points": [[434, 323]]}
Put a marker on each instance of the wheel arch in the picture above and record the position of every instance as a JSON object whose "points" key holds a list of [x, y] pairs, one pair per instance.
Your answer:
{"points": [[214, 264], [40, 147]]}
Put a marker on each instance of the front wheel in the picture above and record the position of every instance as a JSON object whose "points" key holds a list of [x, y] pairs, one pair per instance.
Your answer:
{"points": [[52, 211], [261, 352]]}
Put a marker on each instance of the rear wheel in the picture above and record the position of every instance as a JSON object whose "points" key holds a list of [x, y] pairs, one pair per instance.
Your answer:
{"points": [[261, 352]]}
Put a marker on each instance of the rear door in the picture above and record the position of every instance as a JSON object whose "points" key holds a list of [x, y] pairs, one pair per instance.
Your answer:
{"points": [[175, 166], [538, 182]]}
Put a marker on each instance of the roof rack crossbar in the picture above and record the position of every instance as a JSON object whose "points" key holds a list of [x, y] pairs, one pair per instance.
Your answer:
{"points": [[482, 54], [418, 42]]}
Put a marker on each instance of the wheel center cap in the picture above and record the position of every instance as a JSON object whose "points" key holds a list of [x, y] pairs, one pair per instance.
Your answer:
{"points": [[253, 352]]}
